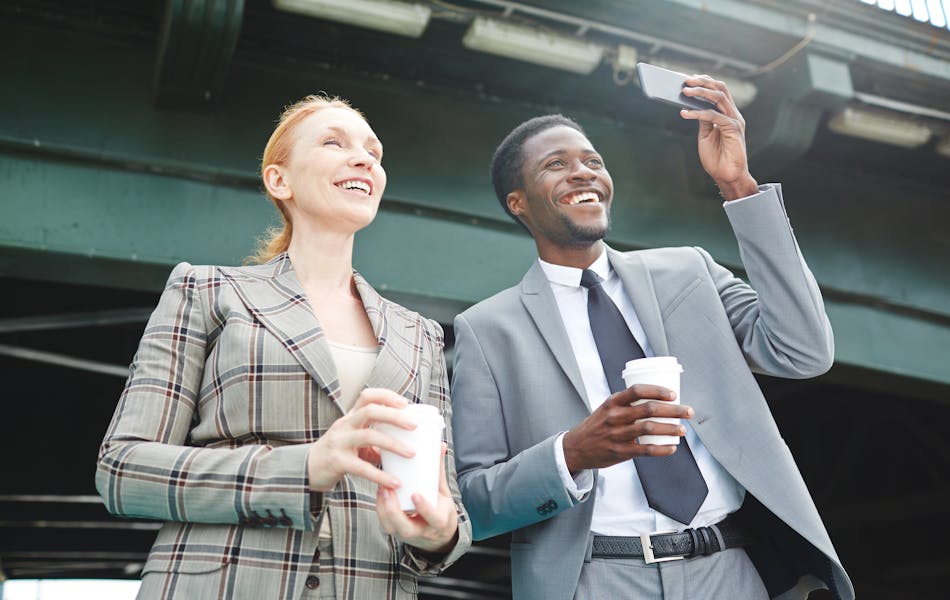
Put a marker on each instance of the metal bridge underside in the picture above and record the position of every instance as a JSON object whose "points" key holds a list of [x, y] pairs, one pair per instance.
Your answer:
{"points": [[129, 137]]}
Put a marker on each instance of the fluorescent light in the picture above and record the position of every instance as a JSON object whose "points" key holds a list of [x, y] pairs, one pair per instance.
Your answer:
{"points": [[879, 126], [402, 18], [532, 45], [943, 146]]}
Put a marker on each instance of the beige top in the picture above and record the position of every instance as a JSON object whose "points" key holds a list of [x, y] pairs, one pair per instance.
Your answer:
{"points": [[353, 367]]}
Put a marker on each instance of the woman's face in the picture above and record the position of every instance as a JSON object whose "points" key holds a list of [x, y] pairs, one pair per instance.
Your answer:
{"points": [[334, 175]]}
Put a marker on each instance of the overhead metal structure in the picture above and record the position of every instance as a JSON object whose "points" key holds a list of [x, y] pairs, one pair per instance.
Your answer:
{"points": [[129, 140]]}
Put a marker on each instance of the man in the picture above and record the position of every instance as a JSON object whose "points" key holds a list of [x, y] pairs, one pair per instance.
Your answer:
{"points": [[545, 431]]}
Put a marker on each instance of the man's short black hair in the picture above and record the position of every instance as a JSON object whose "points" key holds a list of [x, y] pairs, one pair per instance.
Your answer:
{"points": [[508, 160]]}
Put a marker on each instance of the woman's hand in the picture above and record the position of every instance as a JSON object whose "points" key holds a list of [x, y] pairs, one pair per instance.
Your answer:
{"points": [[352, 446], [432, 529]]}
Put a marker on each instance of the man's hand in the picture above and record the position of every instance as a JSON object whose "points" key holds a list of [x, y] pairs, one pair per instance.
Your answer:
{"points": [[432, 529], [721, 137], [609, 435]]}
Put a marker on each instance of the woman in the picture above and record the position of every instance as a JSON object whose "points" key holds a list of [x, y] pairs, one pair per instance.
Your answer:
{"points": [[245, 422]]}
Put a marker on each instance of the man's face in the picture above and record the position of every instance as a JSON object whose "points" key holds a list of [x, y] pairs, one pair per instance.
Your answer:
{"points": [[567, 190]]}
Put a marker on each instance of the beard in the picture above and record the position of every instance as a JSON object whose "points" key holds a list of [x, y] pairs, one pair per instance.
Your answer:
{"points": [[579, 235]]}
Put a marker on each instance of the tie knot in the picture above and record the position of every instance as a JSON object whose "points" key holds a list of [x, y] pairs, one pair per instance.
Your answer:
{"points": [[589, 279]]}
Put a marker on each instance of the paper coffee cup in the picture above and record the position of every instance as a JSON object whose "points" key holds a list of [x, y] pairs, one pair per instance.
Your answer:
{"points": [[419, 474], [657, 370]]}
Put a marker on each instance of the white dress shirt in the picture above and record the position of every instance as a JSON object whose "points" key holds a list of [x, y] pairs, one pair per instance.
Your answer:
{"points": [[620, 505]]}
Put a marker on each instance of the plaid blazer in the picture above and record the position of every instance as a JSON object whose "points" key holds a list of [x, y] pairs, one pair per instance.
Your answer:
{"points": [[232, 380]]}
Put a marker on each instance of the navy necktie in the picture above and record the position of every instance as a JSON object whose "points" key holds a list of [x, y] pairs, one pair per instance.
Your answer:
{"points": [[673, 484]]}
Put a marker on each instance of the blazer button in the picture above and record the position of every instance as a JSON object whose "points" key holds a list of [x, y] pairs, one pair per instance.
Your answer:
{"points": [[313, 582]]}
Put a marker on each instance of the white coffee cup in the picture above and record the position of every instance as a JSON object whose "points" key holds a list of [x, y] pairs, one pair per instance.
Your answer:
{"points": [[419, 474], [657, 370]]}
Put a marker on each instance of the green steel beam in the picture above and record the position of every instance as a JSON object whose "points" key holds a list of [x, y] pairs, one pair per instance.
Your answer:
{"points": [[68, 222], [791, 107], [195, 44], [105, 189], [891, 52], [884, 341]]}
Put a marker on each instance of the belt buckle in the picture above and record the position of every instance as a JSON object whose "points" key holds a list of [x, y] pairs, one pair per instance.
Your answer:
{"points": [[647, 545]]}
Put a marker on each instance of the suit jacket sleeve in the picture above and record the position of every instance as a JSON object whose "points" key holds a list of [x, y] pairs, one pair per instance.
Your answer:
{"points": [[146, 467], [780, 321], [504, 489]]}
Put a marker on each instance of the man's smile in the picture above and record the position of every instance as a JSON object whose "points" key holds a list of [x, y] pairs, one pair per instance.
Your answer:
{"points": [[581, 197]]}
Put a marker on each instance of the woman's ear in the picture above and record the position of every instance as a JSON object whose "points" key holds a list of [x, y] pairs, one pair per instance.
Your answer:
{"points": [[276, 183]]}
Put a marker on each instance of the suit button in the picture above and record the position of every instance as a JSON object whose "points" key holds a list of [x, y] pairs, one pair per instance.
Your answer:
{"points": [[313, 582]]}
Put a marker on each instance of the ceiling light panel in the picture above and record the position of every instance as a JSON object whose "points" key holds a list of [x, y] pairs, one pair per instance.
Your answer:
{"points": [[402, 18], [533, 45], [879, 126]]}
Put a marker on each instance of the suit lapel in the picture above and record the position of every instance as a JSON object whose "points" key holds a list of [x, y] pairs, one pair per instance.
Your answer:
{"points": [[273, 295], [638, 284], [399, 333], [538, 299]]}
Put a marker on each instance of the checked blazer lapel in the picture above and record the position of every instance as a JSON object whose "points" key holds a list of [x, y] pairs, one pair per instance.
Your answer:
{"points": [[273, 295], [399, 334]]}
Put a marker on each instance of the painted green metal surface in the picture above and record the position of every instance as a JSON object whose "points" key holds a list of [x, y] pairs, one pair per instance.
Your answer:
{"points": [[196, 41], [98, 185], [60, 218], [828, 32]]}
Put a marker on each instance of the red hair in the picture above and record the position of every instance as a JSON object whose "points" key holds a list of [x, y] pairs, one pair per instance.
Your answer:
{"points": [[277, 151]]}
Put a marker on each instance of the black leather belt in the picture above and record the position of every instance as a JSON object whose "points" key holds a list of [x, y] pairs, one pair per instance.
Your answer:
{"points": [[660, 547]]}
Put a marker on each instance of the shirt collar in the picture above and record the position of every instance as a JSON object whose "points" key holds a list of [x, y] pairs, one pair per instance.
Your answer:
{"points": [[571, 276]]}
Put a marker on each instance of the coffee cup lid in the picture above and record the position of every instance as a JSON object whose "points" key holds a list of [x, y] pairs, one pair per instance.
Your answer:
{"points": [[653, 363], [425, 413]]}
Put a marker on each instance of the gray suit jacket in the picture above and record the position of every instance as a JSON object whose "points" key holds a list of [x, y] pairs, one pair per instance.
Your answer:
{"points": [[232, 381], [516, 386]]}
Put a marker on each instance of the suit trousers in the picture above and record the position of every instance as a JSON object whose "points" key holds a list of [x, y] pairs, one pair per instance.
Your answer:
{"points": [[726, 575]]}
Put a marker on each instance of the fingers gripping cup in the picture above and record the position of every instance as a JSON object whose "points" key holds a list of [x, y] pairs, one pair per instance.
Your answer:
{"points": [[658, 370], [419, 474]]}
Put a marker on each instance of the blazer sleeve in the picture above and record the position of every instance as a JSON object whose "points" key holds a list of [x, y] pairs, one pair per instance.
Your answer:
{"points": [[146, 466], [780, 321], [502, 492], [416, 560]]}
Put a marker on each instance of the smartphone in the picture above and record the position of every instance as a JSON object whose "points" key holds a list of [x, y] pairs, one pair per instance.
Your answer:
{"points": [[666, 86]]}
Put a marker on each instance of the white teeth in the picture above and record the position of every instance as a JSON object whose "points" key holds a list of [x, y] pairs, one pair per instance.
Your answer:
{"points": [[583, 197], [355, 184]]}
